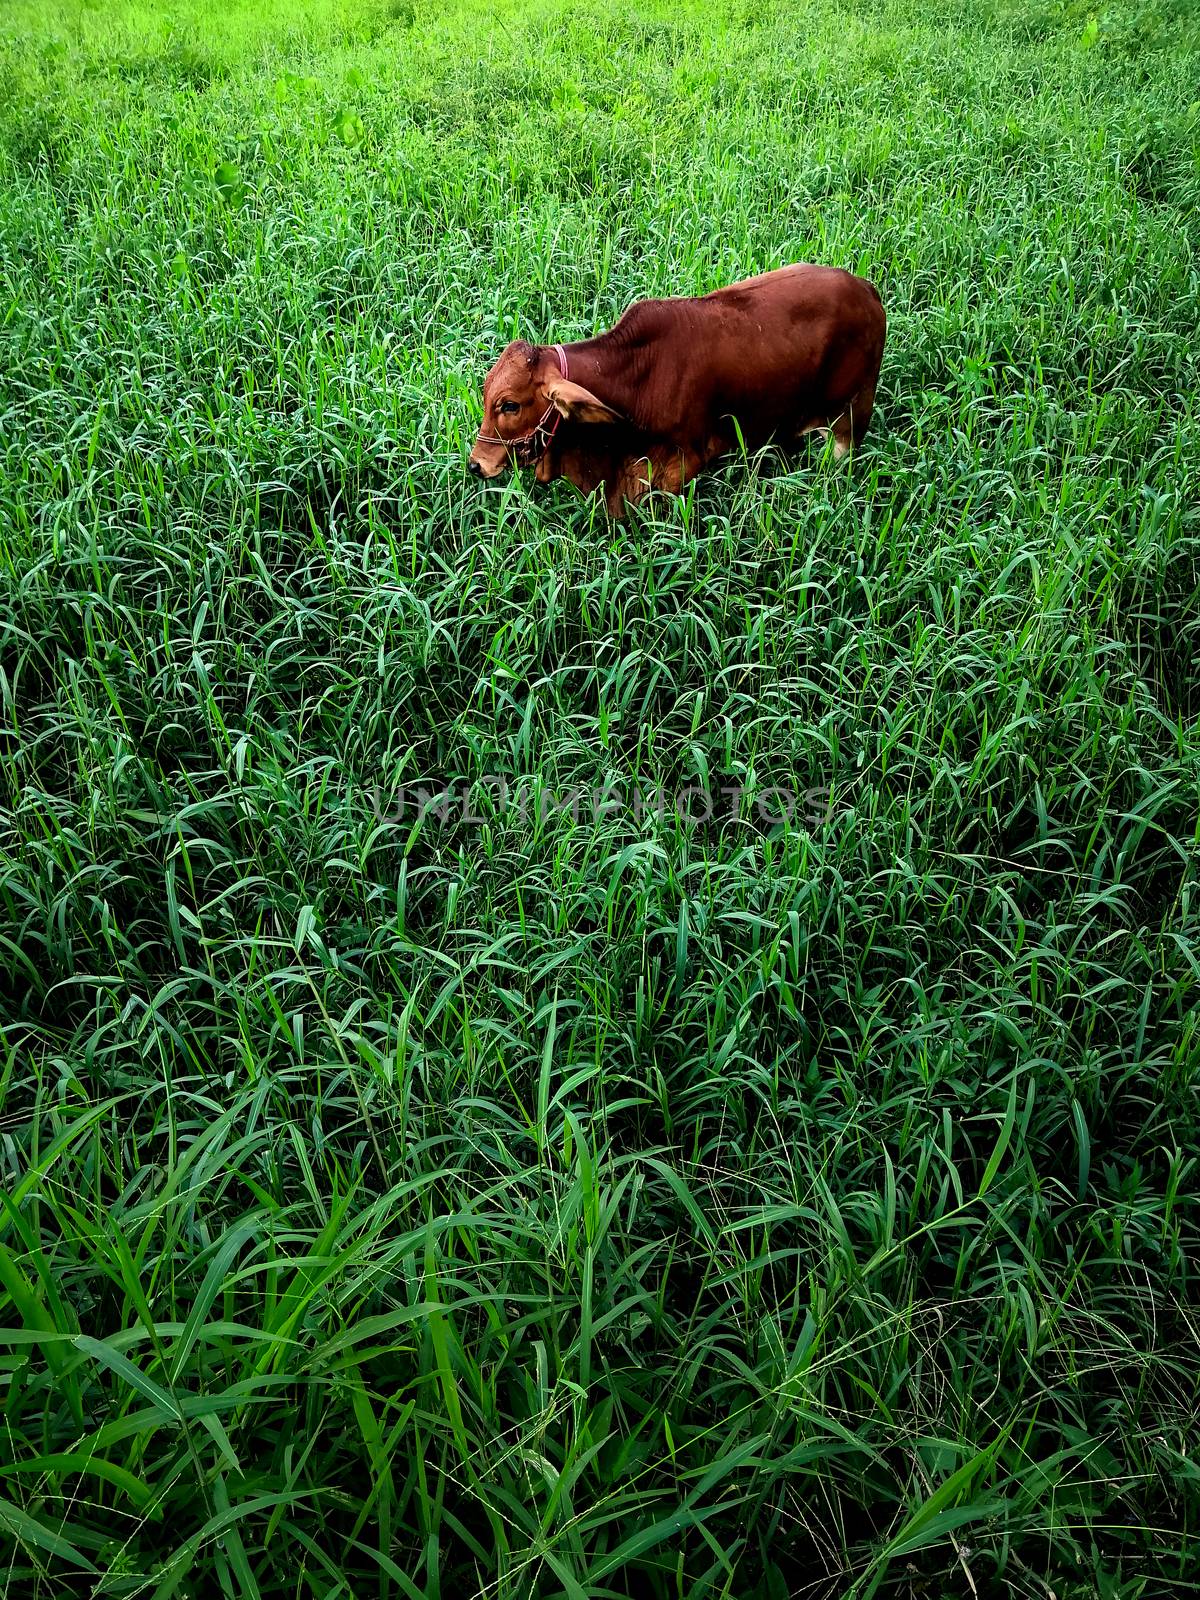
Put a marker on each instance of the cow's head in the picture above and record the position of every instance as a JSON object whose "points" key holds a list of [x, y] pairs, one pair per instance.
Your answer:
{"points": [[524, 397]]}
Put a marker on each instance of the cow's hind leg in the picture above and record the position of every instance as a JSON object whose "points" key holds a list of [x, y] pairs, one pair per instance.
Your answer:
{"points": [[850, 427]]}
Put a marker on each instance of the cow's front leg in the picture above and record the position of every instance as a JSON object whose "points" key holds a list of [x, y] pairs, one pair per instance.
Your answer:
{"points": [[666, 470], [628, 483]]}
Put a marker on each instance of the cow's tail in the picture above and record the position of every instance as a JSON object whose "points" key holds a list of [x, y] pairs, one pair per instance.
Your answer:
{"points": [[883, 315]]}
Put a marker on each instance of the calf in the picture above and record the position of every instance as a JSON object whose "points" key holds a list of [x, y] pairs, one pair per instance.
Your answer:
{"points": [[676, 383]]}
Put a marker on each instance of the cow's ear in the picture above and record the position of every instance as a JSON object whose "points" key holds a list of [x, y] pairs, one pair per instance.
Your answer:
{"points": [[579, 404]]}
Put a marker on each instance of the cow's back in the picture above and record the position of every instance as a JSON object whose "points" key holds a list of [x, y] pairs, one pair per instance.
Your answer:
{"points": [[778, 352]]}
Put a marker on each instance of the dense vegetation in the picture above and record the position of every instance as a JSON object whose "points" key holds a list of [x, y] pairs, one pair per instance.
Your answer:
{"points": [[573, 1199]]}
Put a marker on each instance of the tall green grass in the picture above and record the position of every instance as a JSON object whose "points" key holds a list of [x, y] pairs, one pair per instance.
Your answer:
{"points": [[573, 1204]]}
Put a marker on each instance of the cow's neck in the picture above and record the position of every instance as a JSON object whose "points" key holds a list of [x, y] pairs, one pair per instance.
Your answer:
{"points": [[615, 375]]}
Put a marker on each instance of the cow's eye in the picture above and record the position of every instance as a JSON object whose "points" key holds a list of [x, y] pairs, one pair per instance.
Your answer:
{"points": [[507, 406]]}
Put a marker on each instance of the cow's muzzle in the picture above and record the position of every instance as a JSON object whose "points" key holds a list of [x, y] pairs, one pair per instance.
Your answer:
{"points": [[484, 462]]}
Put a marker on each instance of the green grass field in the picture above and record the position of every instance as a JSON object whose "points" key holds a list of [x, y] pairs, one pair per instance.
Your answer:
{"points": [[596, 1200]]}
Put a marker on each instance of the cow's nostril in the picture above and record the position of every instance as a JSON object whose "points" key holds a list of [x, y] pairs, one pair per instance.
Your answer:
{"points": [[475, 468]]}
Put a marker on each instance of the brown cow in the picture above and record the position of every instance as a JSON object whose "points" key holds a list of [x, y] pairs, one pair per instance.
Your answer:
{"points": [[668, 390]]}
